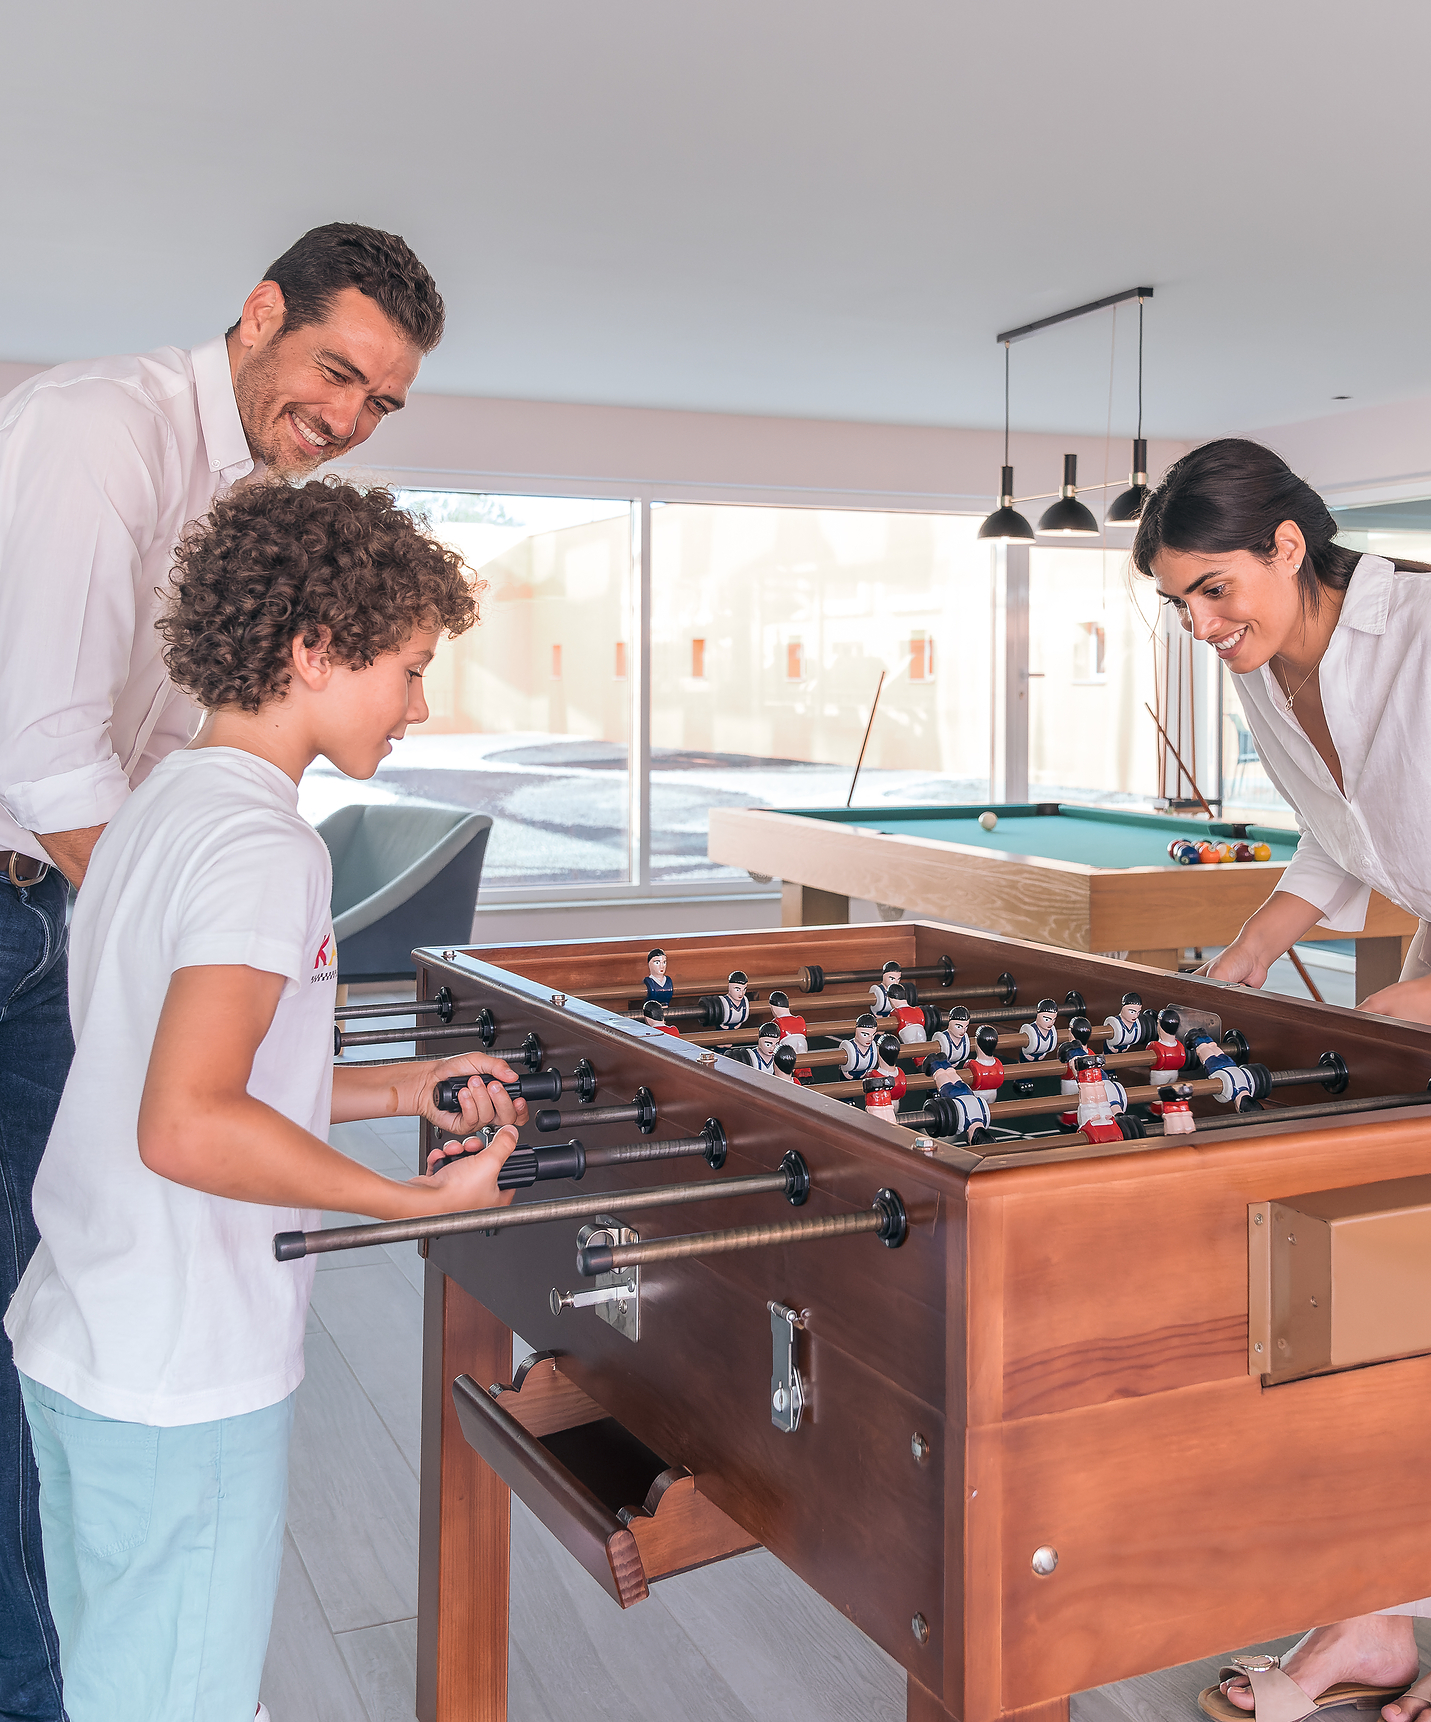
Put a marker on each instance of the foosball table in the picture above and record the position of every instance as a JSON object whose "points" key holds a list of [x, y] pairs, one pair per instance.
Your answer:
{"points": [[1041, 1392]]}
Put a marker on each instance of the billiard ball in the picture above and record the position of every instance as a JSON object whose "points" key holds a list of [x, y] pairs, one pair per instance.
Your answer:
{"points": [[1224, 851], [1174, 846], [1242, 852], [1208, 855], [1185, 853], [988, 820], [1261, 852]]}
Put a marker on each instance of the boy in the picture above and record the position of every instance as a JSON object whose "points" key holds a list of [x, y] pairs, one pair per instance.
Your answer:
{"points": [[159, 1342]]}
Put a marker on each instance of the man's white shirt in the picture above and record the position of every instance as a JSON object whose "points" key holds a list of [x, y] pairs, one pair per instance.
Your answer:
{"points": [[103, 463]]}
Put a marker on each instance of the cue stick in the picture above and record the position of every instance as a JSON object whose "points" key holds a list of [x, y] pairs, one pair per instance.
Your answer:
{"points": [[865, 743], [1311, 985], [1179, 758]]}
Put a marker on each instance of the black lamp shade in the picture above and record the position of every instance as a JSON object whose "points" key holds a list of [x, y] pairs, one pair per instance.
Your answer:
{"points": [[1127, 509], [1006, 525], [1068, 518]]}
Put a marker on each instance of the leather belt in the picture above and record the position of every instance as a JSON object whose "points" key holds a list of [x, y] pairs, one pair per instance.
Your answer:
{"points": [[16, 868]]}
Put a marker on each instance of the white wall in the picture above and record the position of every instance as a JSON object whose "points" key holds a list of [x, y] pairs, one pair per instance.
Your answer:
{"points": [[1360, 455]]}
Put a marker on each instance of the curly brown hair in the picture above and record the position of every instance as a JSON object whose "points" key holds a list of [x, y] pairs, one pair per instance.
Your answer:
{"points": [[271, 562]]}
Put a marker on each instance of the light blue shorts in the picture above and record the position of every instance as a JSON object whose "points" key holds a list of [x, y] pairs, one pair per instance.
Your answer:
{"points": [[162, 1550]]}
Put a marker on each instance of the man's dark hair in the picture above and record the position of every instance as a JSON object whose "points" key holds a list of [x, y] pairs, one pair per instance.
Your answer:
{"points": [[271, 562], [327, 259]]}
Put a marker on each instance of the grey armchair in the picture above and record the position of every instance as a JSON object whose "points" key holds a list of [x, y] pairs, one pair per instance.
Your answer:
{"points": [[404, 874]]}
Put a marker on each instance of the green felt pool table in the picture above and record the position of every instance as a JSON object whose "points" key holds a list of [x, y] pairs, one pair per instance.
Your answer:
{"points": [[1089, 878]]}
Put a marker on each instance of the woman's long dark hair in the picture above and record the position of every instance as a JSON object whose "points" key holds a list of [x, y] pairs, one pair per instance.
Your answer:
{"points": [[1233, 495]]}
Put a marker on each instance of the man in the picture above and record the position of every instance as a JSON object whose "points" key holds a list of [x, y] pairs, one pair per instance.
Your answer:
{"points": [[103, 464]]}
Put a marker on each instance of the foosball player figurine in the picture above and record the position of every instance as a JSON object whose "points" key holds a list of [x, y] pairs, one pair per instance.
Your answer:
{"points": [[1080, 1031], [654, 1012], [881, 1101], [734, 1005], [785, 1064], [791, 1027], [953, 1039], [1125, 1031], [1097, 1106], [887, 1048], [860, 1055], [890, 976], [762, 1054], [972, 1109], [1239, 1086], [1169, 1057], [986, 1068], [659, 985], [911, 1017], [1040, 1035]]}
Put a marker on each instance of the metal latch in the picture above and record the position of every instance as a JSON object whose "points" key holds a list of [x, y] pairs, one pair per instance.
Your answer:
{"points": [[787, 1390], [616, 1297]]}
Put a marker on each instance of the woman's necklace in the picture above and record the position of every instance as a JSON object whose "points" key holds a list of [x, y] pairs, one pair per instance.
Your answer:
{"points": [[1286, 686]]}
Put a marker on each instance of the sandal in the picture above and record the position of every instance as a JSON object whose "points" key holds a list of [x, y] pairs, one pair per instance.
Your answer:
{"points": [[1278, 1698]]}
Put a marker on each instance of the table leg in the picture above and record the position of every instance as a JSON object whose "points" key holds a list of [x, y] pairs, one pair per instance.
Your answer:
{"points": [[1156, 959], [464, 1520], [807, 906], [1378, 963]]}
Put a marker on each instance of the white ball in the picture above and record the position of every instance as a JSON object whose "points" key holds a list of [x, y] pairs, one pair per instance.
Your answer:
{"points": [[988, 820]]}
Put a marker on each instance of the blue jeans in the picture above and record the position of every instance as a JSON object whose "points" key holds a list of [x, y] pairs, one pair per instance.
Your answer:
{"points": [[36, 1047]]}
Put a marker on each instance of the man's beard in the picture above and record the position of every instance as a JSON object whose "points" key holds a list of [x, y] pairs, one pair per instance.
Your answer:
{"points": [[263, 420]]}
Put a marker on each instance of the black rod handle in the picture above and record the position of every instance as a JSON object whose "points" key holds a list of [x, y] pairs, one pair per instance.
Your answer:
{"points": [[545, 1085]]}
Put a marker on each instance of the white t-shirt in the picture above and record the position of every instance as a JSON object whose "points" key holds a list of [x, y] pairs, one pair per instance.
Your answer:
{"points": [[148, 1301]]}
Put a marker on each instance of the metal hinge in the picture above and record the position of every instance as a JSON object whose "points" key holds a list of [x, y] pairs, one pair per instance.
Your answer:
{"points": [[787, 1390]]}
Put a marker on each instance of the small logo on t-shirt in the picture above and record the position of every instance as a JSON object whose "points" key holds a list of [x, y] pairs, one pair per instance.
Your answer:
{"points": [[325, 964]]}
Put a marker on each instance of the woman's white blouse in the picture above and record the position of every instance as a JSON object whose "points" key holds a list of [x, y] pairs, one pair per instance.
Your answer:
{"points": [[1376, 693]]}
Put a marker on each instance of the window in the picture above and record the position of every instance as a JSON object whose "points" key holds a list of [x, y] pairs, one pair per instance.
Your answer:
{"points": [[518, 729], [801, 609], [921, 658], [698, 659]]}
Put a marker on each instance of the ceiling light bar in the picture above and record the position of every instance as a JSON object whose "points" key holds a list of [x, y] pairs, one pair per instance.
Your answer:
{"points": [[1028, 329]]}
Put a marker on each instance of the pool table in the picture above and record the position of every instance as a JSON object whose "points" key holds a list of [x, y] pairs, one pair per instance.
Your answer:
{"points": [[1088, 878]]}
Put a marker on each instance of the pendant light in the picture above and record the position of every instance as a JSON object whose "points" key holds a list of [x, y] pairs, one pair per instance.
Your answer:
{"points": [[1068, 518], [1127, 509], [1006, 525]]}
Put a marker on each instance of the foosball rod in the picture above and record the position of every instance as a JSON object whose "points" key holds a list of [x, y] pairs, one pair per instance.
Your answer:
{"points": [[800, 981], [442, 1002], [886, 1218], [419, 1031], [792, 1181], [1225, 1121], [1004, 989], [1012, 1073], [1327, 1075], [720, 1037], [642, 1112]]}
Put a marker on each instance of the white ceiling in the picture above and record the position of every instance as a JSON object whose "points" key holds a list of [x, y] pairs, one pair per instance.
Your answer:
{"points": [[813, 207]]}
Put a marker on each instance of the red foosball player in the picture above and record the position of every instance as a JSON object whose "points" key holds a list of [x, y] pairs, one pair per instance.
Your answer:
{"points": [[911, 1017], [985, 1069], [785, 1070], [1074, 1048], [1177, 1116], [881, 1101], [1096, 1117], [887, 1049], [1169, 1057], [792, 1027], [654, 1012]]}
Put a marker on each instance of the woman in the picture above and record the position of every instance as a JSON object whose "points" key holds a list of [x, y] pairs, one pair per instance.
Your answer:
{"points": [[1332, 651]]}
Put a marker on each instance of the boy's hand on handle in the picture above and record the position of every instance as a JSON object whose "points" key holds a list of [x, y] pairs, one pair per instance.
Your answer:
{"points": [[482, 1102], [471, 1182]]}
